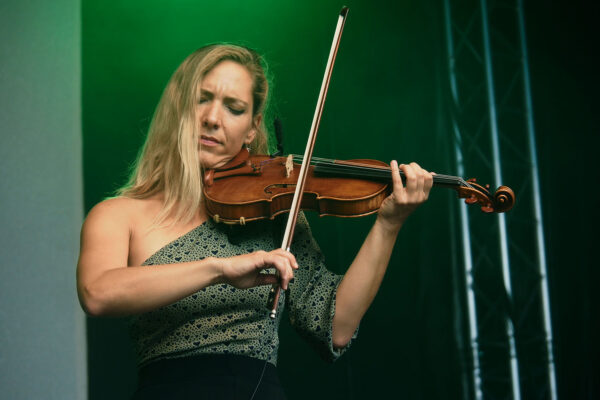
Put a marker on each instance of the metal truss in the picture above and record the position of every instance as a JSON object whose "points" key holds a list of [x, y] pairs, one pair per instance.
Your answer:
{"points": [[509, 347]]}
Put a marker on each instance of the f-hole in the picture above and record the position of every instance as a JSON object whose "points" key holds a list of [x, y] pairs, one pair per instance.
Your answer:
{"points": [[279, 187]]}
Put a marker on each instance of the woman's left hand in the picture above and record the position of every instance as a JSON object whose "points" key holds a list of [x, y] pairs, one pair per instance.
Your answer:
{"points": [[405, 198]]}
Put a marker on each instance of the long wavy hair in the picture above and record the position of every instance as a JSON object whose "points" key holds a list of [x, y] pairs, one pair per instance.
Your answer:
{"points": [[169, 162]]}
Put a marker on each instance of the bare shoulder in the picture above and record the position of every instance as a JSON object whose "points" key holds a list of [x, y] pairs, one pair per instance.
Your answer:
{"points": [[114, 211], [109, 216], [122, 209], [115, 206], [108, 229]]}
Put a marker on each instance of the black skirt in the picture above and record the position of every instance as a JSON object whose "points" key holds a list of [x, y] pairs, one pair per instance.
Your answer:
{"points": [[210, 377]]}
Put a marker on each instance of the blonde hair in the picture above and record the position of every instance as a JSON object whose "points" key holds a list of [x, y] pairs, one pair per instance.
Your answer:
{"points": [[168, 161]]}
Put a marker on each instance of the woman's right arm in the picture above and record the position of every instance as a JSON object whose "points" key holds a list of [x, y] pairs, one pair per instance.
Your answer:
{"points": [[107, 286]]}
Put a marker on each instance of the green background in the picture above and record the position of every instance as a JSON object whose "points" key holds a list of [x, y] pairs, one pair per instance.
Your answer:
{"points": [[386, 101]]}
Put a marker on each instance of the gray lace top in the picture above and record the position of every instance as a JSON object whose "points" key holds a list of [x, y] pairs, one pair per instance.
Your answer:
{"points": [[224, 320]]}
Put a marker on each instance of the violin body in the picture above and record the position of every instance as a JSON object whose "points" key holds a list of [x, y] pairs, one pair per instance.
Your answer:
{"points": [[262, 187]]}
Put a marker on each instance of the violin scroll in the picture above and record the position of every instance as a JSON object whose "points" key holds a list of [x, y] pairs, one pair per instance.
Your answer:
{"points": [[473, 193]]}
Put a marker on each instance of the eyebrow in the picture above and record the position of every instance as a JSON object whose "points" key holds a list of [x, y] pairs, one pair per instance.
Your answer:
{"points": [[227, 100]]}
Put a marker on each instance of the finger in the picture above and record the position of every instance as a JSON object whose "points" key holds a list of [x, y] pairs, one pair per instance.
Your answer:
{"points": [[428, 183], [411, 179], [283, 266], [420, 175], [289, 256], [396, 179], [285, 278]]}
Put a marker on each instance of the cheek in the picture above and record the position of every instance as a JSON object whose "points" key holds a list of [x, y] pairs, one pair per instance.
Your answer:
{"points": [[241, 132]]}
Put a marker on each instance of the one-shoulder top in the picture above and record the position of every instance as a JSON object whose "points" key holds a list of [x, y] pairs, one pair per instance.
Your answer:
{"points": [[221, 319]]}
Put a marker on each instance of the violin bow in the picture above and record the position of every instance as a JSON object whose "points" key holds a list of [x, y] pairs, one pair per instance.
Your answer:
{"points": [[295, 208]]}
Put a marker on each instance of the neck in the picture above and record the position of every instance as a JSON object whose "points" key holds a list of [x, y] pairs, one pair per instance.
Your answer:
{"points": [[360, 170]]}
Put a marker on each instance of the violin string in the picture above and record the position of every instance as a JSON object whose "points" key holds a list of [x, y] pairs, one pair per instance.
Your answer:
{"points": [[376, 172], [325, 165]]}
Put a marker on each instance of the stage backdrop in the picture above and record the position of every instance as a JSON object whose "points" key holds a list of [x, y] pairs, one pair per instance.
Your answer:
{"points": [[386, 101]]}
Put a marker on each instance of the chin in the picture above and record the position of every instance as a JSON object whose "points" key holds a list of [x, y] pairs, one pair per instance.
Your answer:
{"points": [[212, 162]]}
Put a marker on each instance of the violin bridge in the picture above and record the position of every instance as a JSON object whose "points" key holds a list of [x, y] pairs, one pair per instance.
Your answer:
{"points": [[289, 166]]}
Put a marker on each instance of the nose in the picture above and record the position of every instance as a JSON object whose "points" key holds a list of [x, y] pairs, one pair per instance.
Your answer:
{"points": [[210, 117]]}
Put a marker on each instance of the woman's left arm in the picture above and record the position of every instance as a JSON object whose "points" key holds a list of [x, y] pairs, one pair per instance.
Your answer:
{"points": [[362, 280]]}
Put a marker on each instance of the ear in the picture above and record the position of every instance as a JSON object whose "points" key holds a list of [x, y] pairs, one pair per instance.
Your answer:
{"points": [[255, 124]]}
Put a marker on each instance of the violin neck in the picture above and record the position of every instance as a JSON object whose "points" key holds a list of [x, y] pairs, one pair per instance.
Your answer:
{"points": [[359, 170]]}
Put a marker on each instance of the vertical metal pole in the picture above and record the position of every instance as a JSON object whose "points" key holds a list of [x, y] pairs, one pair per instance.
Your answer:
{"points": [[469, 280], [498, 178], [537, 204], [464, 219]]}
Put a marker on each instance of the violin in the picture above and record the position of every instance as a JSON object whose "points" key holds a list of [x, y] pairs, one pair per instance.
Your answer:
{"points": [[255, 187]]}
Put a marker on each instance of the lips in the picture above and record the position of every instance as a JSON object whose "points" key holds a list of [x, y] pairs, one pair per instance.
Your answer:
{"points": [[209, 141]]}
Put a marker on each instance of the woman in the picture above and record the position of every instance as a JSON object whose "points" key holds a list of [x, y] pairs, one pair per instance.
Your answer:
{"points": [[199, 318]]}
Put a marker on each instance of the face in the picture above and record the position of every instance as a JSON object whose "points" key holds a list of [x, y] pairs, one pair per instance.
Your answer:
{"points": [[224, 113]]}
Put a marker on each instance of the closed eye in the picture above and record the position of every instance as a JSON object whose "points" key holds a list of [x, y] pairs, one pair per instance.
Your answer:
{"points": [[234, 105], [236, 111]]}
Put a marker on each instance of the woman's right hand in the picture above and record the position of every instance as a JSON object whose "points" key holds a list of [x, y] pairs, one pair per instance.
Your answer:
{"points": [[244, 271]]}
